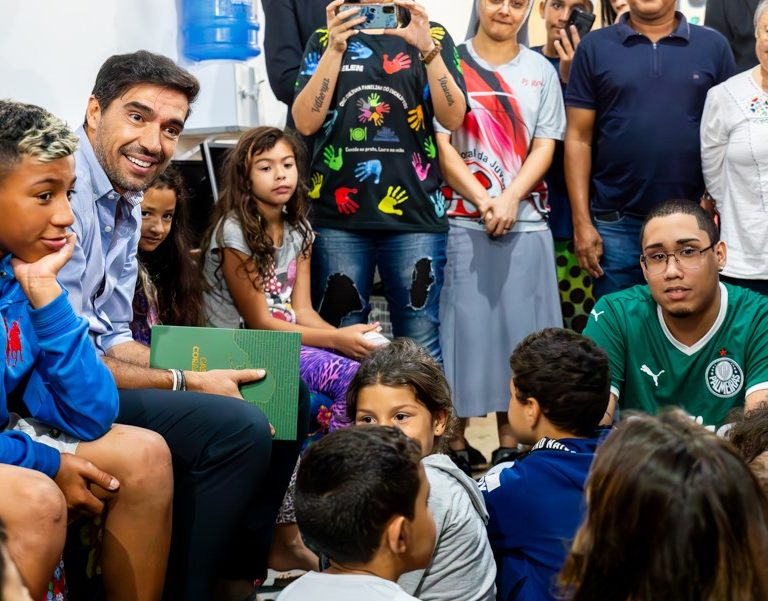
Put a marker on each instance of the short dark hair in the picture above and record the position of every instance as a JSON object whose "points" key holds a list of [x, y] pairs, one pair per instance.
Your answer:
{"points": [[403, 363], [121, 72], [750, 437], [26, 129], [681, 206], [673, 513], [350, 484], [568, 374]]}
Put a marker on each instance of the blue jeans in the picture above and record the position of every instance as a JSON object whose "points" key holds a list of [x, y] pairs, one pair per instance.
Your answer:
{"points": [[621, 255], [411, 269]]}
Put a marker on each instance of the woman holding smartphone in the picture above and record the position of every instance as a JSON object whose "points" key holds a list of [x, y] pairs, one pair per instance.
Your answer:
{"points": [[370, 96]]}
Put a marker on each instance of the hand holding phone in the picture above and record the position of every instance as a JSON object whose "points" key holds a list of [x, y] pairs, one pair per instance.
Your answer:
{"points": [[582, 20]]}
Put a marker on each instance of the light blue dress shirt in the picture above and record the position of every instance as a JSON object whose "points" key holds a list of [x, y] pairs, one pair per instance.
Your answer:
{"points": [[101, 275]]}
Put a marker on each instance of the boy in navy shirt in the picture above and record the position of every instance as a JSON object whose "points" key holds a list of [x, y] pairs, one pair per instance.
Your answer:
{"points": [[560, 391], [60, 456]]}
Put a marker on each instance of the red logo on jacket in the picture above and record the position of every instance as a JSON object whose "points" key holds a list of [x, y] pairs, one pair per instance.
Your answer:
{"points": [[13, 350]]}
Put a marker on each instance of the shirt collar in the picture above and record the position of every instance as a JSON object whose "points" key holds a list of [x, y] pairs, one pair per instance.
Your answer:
{"points": [[683, 29], [99, 180]]}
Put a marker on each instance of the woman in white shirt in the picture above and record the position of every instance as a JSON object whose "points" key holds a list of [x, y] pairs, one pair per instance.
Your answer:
{"points": [[734, 154]]}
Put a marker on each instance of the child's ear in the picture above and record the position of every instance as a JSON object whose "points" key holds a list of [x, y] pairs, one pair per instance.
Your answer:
{"points": [[532, 411], [439, 422], [396, 535], [93, 112]]}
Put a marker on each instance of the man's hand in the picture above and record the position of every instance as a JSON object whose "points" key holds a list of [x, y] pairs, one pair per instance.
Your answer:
{"points": [[38, 279], [222, 381], [589, 249], [566, 51], [75, 478]]}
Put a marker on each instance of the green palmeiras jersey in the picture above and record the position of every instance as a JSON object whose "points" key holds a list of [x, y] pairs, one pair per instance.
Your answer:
{"points": [[650, 369]]}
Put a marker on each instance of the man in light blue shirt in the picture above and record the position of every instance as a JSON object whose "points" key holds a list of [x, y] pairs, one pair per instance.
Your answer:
{"points": [[227, 472]]}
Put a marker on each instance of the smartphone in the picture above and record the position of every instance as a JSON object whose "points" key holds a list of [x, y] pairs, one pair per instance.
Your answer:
{"points": [[385, 15], [582, 20]]}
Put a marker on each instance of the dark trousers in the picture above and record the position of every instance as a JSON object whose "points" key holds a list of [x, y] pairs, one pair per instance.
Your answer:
{"points": [[230, 479]]}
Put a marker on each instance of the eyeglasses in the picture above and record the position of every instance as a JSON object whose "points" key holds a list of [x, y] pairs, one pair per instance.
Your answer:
{"points": [[686, 258], [495, 4]]}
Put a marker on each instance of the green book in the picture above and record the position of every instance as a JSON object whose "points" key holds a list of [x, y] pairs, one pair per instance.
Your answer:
{"points": [[204, 349]]}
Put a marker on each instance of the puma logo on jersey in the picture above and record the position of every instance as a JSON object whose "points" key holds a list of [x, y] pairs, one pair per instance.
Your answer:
{"points": [[647, 370], [596, 314]]}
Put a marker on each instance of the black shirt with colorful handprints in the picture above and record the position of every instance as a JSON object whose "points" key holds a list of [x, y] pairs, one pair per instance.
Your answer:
{"points": [[374, 165]]}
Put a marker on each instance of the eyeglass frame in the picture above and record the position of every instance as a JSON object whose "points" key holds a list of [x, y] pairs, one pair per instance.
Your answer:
{"points": [[644, 258], [501, 4]]}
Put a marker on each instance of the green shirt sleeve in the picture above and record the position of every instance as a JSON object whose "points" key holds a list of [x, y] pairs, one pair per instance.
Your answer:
{"points": [[606, 327]]}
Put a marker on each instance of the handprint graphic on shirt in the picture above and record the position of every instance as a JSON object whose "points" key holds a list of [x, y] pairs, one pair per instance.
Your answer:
{"points": [[400, 62], [359, 51], [330, 120], [323, 36], [422, 168], [333, 159], [395, 196], [310, 64], [457, 60], [372, 109], [345, 204], [368, 169], [416, 118], [430, 148], [317, 184], [438, 202], [437, 33]]}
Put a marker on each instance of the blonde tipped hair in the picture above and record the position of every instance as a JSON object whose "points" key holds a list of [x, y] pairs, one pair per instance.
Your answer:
{"points": [[26, 129]]}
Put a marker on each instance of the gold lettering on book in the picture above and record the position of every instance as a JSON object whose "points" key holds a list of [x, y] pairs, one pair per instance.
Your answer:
{"points": [[198, 363]]}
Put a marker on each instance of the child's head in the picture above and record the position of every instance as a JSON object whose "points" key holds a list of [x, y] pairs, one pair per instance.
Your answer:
{"points": [[557, 12], [165, 251], [361, 497], [37, 175], [266, 171], [401, 385], [560, 380], [501, 20], [672, 508], [266, 168], [162, 207], [750, 437]]}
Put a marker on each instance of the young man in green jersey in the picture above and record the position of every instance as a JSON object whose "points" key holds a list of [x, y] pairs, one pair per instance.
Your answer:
{"points": [[685, 338]]}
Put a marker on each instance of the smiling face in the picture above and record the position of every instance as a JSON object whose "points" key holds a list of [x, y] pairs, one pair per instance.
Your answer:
{"points": [[651, 10], [274, 175], [135, 137], [34, 204], [500, 21], [399, 407], [683, 291], [157, 210]]}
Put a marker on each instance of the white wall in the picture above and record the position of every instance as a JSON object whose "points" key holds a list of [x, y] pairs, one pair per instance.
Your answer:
{"points": [[51, 50]]}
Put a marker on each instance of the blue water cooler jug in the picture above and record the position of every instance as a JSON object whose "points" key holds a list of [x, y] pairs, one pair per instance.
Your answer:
{"points": [[219, 29]]}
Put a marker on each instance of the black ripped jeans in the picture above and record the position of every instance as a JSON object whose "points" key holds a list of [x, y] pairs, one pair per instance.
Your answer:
{"points": [[411, 267]]}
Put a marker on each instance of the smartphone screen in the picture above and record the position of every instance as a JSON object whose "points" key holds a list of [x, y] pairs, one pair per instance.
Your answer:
{"points": [[377, 16]]}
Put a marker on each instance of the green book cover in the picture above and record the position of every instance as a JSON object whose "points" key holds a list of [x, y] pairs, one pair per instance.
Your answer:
{"points": [[204, 349]]}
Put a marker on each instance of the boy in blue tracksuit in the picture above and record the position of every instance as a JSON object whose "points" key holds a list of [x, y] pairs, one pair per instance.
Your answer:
{"points": [[59, 452], [559, 394]]}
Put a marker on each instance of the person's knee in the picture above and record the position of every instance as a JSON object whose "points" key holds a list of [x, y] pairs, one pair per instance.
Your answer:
{"points": [[145, 465], [39, 510]]}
